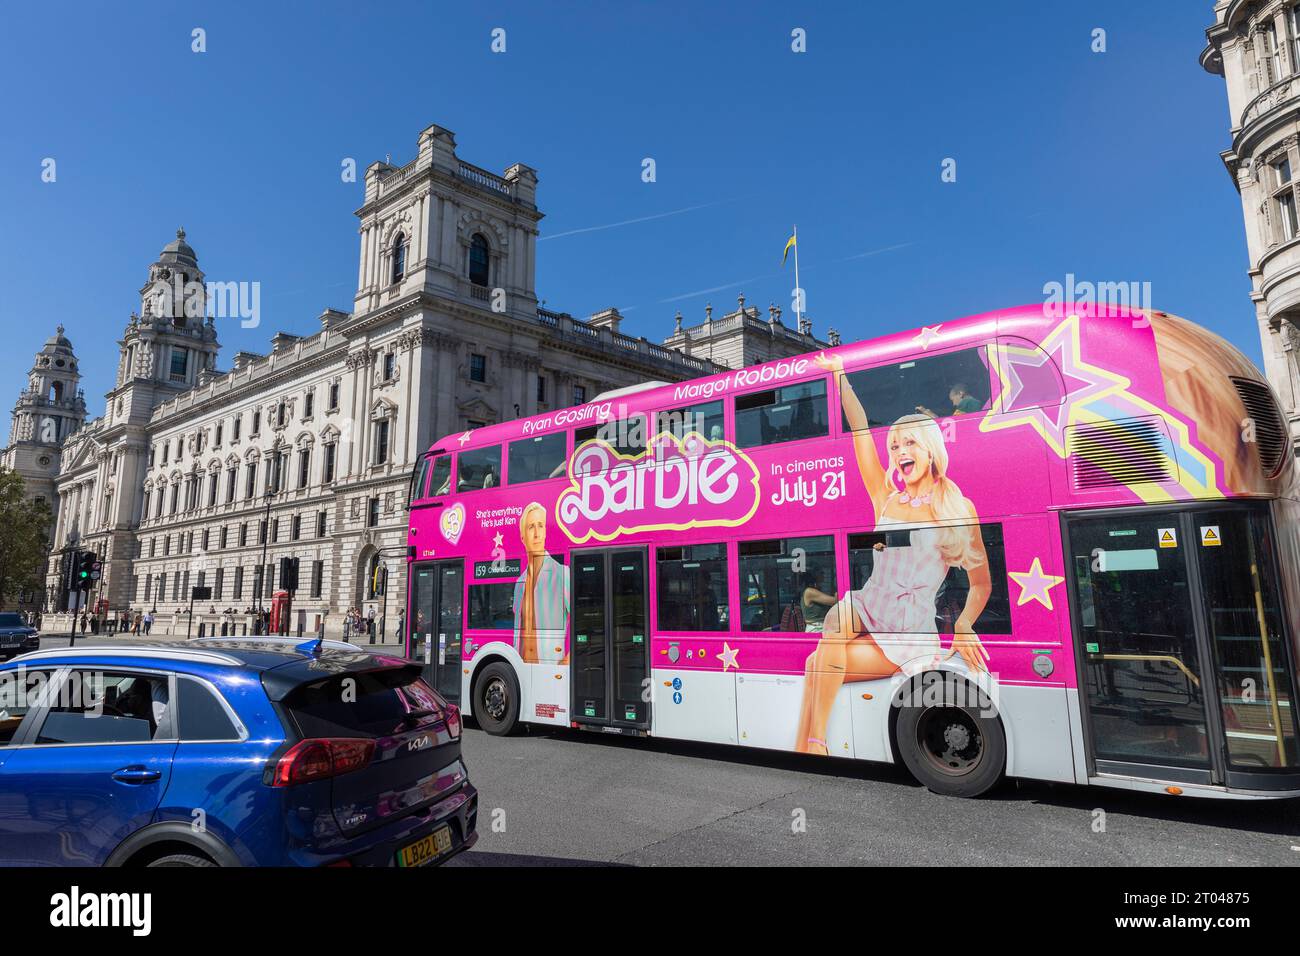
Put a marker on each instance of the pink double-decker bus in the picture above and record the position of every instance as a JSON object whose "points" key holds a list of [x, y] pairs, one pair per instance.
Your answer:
{"points": [[1053, 546]]}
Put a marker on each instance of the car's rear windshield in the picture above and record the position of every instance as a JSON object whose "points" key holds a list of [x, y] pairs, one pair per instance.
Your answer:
{"points": [[11, 620], [368, 704]]}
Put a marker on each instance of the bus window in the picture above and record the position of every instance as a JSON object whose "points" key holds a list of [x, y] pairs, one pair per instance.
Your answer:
{"points": [[440, 476], [948, 586], [533, 459], [782, 414], [479, 468], [786, 584], [419, 479], [492, 606], [936, 386], [705, 418], [692, 588], [626, 436]]}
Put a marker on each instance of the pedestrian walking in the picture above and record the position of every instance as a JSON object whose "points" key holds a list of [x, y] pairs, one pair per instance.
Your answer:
{"points": [[370, 625], [148, 622], [400, 633]]}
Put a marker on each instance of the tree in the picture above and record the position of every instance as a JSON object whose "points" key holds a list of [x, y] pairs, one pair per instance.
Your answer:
{"points": [[24, 539]]}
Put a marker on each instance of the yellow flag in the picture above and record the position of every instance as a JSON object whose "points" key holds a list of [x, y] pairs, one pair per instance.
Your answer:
{"points": [[789, 243]]}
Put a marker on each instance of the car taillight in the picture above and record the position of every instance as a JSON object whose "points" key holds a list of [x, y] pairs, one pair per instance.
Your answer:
{"points": [[453, 720], [319, 758]]}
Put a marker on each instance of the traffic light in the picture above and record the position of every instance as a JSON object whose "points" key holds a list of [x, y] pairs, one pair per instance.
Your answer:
{"points": [[87, 570], [289, 574], [379, 582]]}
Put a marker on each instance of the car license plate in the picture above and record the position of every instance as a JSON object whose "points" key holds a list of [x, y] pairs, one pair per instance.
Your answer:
{"points": [[426, 849]]}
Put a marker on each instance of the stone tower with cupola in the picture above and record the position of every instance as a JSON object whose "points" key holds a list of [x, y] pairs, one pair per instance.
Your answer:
{"points": [[49, 410]]}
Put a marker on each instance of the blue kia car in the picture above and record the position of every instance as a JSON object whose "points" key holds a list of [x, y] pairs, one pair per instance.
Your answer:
{"points": [[241, 752]]}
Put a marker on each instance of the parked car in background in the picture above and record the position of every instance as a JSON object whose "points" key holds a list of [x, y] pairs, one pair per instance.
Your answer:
{"points": [[288, 753], [16, 635]]}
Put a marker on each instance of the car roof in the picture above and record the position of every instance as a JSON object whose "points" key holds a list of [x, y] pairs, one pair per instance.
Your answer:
{"points": [[302, 658]]}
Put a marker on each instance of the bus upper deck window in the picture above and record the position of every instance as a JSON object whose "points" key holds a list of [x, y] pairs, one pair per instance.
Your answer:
{"points": [[440, 476], [627, 436], [479, 468], [705, 419], [938, 386], [537, 458], [782, 414]]}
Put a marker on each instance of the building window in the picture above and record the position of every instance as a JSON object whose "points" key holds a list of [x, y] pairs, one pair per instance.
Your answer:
{"points": [[243, 534], [295, 529], [257, 421], [478, 260], [1273, 52], [541, 389], [579, 394], [180, 363], [217, 585], [239, 584], [1284, 196], [206, 538], [308, 404], [372, 513], [250, 480], [328, 476], [320, 524], [153, 547], [334, 396], [399, 258], [220, 429], [281, 411], [477, 371], [317, 578], [381, 442], [261, 532], [257, 580], [232, 477], [235, 427], [304, 467], [390, 366], [167, 545], [225, 537], [213, 481], [166, 447]]}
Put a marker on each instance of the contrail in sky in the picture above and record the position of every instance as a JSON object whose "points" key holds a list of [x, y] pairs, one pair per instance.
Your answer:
{"points": [[629, 222]]}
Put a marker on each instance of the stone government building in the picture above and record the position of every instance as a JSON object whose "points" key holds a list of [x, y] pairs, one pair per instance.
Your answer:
{"points": [[198, 477]]}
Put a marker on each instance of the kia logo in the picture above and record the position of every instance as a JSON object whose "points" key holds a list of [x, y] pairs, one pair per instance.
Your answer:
{"points": [[420, 743]]}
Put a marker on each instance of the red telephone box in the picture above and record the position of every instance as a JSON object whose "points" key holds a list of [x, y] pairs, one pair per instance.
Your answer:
{"points": [[280, 605]]}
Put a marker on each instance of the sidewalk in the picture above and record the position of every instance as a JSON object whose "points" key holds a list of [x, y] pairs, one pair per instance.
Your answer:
{"points": [[88, 639]]}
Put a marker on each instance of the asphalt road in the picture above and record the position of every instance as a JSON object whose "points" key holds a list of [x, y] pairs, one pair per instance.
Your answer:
{"points": [[565, 797]]}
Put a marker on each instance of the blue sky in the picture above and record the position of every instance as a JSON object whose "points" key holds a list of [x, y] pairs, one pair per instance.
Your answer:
{"points": [[1068, 161]]}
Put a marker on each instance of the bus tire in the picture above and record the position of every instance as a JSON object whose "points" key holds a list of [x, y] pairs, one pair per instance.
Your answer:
{"points": [[496, 699], [948, 741]]}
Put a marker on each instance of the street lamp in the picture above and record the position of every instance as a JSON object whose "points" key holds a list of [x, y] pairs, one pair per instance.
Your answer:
{"points": [[266, 540]]}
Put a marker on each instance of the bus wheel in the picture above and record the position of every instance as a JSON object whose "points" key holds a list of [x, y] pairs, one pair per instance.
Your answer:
{"points": [[952, 742], [496, 699]]}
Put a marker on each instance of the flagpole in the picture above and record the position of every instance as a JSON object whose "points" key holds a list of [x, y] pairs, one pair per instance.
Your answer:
{"points": [[798, 290]]}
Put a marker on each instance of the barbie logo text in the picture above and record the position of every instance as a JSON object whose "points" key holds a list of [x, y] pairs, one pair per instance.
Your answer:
{"points": [[674, 485]]}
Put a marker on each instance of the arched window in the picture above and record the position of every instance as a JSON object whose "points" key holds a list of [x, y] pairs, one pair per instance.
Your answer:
{"points": [[478, 260], [399, 258]]}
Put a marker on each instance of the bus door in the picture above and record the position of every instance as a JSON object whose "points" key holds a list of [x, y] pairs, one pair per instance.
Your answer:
{"points": [[611, 640], [435, 621], [1184, 672]]}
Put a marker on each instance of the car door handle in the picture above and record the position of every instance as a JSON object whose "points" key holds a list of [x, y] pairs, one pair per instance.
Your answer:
{"points": [[137, 775]]}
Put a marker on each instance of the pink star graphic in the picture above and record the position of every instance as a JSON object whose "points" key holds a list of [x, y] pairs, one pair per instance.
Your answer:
{"points": [[1035, 585], [728, 657], [1032, 394]]}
